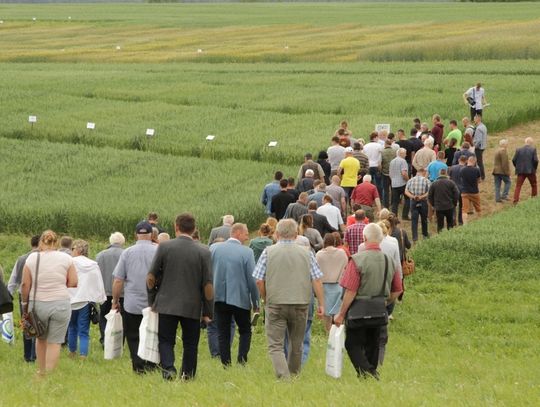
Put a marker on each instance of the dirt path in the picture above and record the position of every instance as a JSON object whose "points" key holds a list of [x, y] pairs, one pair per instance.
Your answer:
{"points": [[516, 138]]}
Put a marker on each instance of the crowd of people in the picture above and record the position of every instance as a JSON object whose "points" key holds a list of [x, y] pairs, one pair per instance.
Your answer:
{"points": [[333, 236]]}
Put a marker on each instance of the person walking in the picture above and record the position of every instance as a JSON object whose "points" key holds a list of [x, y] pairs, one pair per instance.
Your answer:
{"points": [[235, 292], [130, 276], [480, 143], [363, 278], [107, 260], [180, 281], [526, 163], [501, 171], [443, 196], [475, 98], [47, 275], [399, 175], [90, 289], [470, 194], [417, 189], [223, 232], [286, 273]]}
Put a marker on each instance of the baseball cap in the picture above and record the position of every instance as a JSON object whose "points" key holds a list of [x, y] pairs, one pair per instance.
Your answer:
{"points": [[349, 149], [143, 228]]}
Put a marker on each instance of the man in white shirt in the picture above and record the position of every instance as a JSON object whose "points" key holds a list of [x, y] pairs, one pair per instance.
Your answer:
{"points": [[332, 213], [374, 152], [475, 98]]}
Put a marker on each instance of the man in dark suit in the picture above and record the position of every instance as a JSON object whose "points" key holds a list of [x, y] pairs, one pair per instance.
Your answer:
{"points": [[320, 222], [181, 279]]}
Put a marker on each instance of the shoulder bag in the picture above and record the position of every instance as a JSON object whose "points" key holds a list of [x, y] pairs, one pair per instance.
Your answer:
{"points": [[94, 313], [32, 326], [369, 312], [407, 265]]}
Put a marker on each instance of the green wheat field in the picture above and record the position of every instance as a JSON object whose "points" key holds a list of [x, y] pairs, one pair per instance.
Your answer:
{"points": [[250, 73]]}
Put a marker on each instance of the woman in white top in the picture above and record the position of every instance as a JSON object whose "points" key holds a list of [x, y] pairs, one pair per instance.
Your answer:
{"points": [[90, 289], [47, 274], [332, 262]]}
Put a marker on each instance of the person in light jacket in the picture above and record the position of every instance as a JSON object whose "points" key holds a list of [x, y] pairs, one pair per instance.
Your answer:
{"points": [[89, 290]]}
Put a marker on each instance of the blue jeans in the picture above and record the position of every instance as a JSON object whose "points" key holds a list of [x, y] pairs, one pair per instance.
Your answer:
{"points": [[498, 180], [419, 208], [79, 327]]}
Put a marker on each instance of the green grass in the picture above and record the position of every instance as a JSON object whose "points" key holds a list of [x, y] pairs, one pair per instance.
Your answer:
{"points": [[462, 338]]}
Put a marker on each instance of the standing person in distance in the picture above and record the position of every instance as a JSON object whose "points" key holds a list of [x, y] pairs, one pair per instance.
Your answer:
{"points": [[444, 197], [55, 274], [107, 260], [130, 276], [269, 191], [470, 194], [417, 189], [475, 98], [235, 292], [223, 232], [526, 163], [181, 277], [480, 143], [501, 171]]}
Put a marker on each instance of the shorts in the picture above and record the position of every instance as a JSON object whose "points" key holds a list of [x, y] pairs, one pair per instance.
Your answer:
{"points": [[55, 316], [471, 199]]}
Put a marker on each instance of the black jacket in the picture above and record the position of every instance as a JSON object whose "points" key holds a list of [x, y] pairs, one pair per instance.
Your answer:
{"points": [[443, 194]]}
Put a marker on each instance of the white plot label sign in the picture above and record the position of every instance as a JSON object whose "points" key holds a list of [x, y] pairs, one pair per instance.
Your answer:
{"points": [[210, 137], [272, 144], [150, 132], [90, 126], [32, 119]]}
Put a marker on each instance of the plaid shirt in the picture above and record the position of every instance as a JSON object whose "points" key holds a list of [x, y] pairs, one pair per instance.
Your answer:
{"points": [[418, 185], [260, 269], [354, 236]]}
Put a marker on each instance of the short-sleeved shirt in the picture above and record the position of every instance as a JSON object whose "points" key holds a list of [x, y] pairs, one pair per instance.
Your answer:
{"points": [[350, 166], [354, 236], [373, 150], [387, 155], [133, 268], [469, 179], [397, 166], [434, 168], [335, 153], [333, 215], [477, 95], [52, 275], [365, 194], [418, 185], [455, 134], [407, 145]]}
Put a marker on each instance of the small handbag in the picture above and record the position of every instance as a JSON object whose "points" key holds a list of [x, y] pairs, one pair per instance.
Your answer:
{"points": [[369, 312], [31, 325], [94, 314], [407, 265]]}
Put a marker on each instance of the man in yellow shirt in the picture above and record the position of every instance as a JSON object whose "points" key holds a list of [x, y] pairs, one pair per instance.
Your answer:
{"points": [[348, 170]]}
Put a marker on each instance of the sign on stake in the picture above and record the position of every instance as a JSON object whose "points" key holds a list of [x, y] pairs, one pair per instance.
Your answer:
{"points": [[272, 144], [150, 132], [210, 137], [90, 126]]}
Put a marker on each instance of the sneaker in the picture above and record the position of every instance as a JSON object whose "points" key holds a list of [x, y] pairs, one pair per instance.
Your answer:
{"points": [[498, 200]]}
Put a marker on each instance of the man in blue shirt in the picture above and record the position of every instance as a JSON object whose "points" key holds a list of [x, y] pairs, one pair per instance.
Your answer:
{"points": [[235, 291], [269, 191], [434, 168]]}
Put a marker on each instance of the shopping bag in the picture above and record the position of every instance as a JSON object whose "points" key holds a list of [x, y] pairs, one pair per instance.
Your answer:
{"points": [[6, 328], [148, 336], [334, 351], [114, 335]]}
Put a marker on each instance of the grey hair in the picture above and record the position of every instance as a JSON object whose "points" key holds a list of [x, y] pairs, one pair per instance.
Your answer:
{"points": [[401, 151], [373, 233], [503, 142], [81, 246], [117, 238], [428, 142], [287, 229], [163, 237], [367, 178], [228, 220]]}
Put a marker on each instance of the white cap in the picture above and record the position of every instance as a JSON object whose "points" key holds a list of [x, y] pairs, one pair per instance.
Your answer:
{"points": [[349, 150]]}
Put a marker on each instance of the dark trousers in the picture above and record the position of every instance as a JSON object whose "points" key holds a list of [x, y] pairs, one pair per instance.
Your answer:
{"points": [[225, 314], [131, 323], [475, 112], [459, 212], [191, 331], [480, 162], [419, 209], [441, 215], [104, 309], [386, 185], [29, 345], [376, 179], [520, 180], [362, 346], [397, 194]]}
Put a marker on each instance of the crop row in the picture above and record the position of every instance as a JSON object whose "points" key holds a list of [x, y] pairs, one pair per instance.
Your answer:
{"points": [[246, 107], [89, 191]]}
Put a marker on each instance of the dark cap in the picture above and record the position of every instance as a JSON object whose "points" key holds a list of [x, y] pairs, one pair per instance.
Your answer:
{"points": [[143, 228]]}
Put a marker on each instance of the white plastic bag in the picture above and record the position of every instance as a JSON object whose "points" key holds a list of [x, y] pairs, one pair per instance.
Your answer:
{"points": [[6, 328], [114, 335], [334, 351], [148, 336]]}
